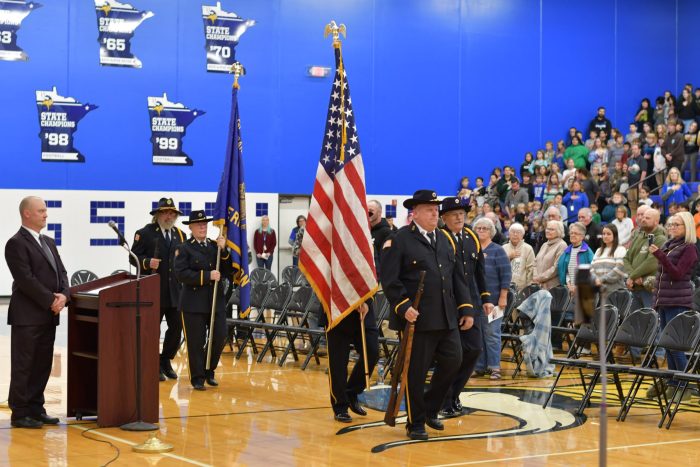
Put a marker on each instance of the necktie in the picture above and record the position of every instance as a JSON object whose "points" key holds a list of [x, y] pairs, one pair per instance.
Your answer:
{"points": [[167, 236], [431, 236], [49, 255]]}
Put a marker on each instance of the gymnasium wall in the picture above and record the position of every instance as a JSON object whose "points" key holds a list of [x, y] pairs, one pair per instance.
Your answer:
{"points": [[441, 88]]}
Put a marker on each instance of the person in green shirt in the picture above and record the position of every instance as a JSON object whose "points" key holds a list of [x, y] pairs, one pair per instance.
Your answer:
{"points": [[578, 152]]}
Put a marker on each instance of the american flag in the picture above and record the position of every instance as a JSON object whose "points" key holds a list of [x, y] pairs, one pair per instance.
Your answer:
{"points": [[336, 250]]}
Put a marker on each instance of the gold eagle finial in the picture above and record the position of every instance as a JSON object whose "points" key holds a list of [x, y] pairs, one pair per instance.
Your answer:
{"points": [[336, 30]]}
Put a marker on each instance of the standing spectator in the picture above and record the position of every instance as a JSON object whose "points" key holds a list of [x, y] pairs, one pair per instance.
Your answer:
{"points": [[515, 196], [379, 229], [553, 188], [673, 148], [644, 114], [39, 294], [504, 183], [593, 231], [521, 256], [659, 113], [686, 109], [644, 197], [589, 186], [599, 154], [608, 214], [673, 290], [497, 275], [527, 165], [600, 122], [549, 152], [574, 255], [637, 172], [575, 200], [545, 274], [558, 158], [577, 152], [539, 188], [541, 159], [617, 149], [607, 267], [675, 190], [301, 223], [691, 149], [265, 242], [590, 142], [623, 224], [527, 185], [633, 135], [640, 264]]}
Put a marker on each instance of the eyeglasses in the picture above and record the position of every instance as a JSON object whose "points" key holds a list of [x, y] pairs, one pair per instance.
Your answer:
{"points": [[482, 228], [673, 224]]}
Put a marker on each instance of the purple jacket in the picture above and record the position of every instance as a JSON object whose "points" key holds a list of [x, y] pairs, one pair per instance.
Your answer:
{"points": [[676, 262]]}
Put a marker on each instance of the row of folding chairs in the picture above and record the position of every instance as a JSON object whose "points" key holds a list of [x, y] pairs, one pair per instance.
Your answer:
{"points": [[639, 329]]}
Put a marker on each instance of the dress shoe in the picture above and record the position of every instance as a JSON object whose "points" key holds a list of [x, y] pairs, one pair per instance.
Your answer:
{"points": [[211, 381], [161, 376], [457, 405], [26, 422], [416, 432], [199, 386], [434, 423], [46, 420], [343, 417], [355, 406], [167, 370], [450, 412]]}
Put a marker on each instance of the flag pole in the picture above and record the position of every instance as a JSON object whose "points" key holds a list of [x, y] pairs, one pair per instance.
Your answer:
{"points": [[364, 350], [213, 302], [237, 70]]}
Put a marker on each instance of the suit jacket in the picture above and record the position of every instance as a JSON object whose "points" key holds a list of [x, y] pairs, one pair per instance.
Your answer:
{"points": [[34, 280], [146, 241], [472, 258], [193, 262], [446, 293]]}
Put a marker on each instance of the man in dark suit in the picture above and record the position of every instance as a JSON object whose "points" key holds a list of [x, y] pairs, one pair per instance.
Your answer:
{"points": [[195, 268], [469, 253], [39, 293], [154, 245], [445, 306]]}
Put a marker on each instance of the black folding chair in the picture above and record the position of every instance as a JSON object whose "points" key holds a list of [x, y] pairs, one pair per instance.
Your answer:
{"points": [[258, 296], [561, 299], [622, 299], [312, 305], [262, 276], [681, 334], [276, 303], [295, 307], [639, 329], [587, 334], [292, 275]]}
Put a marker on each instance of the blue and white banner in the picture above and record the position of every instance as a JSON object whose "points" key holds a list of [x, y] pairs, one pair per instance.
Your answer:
{"points": [[12, 12], [169, 122], [116, 23], [222, 30], [58, 122]]}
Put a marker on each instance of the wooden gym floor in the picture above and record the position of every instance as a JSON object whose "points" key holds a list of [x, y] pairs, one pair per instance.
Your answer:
{"points": [[262, 414]]}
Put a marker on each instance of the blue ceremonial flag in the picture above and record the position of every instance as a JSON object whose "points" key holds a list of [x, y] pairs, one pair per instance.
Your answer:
{"points": [[229, 211]]}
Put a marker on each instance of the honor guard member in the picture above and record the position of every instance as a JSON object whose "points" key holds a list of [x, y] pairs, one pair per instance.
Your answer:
{"points": [[154, 246], [195, 268], [344, 391], [444, 306], [469, 253]]}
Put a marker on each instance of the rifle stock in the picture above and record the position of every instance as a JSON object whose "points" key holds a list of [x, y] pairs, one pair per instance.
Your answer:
{"points": [[399, 373]]}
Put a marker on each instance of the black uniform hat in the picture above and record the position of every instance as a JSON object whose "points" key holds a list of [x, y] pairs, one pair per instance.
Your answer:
{"points": [[196, 217], [421, 197], [166, 204], [452, 203]]}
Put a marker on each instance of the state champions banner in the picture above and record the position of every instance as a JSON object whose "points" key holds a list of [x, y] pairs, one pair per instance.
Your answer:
{"points": [[58, 122], [12, 13], [116, 24], [169, 122], [222, 30]]}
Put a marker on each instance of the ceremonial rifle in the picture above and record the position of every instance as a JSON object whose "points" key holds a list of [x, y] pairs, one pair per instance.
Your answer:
{"points": [[403, 360]]}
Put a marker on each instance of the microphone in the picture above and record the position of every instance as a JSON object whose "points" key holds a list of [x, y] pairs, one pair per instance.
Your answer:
{"points": [[113, 226]]}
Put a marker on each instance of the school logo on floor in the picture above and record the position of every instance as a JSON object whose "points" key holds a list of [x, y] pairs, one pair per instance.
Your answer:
{"points": [[522, 406]]}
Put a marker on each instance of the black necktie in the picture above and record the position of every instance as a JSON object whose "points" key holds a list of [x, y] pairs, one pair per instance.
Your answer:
{"points": [[431, 236], [167, 237], [49, 256]]}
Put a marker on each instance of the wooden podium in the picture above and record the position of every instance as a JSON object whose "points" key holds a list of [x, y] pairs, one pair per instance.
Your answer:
{"points": [[102, 349]]}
